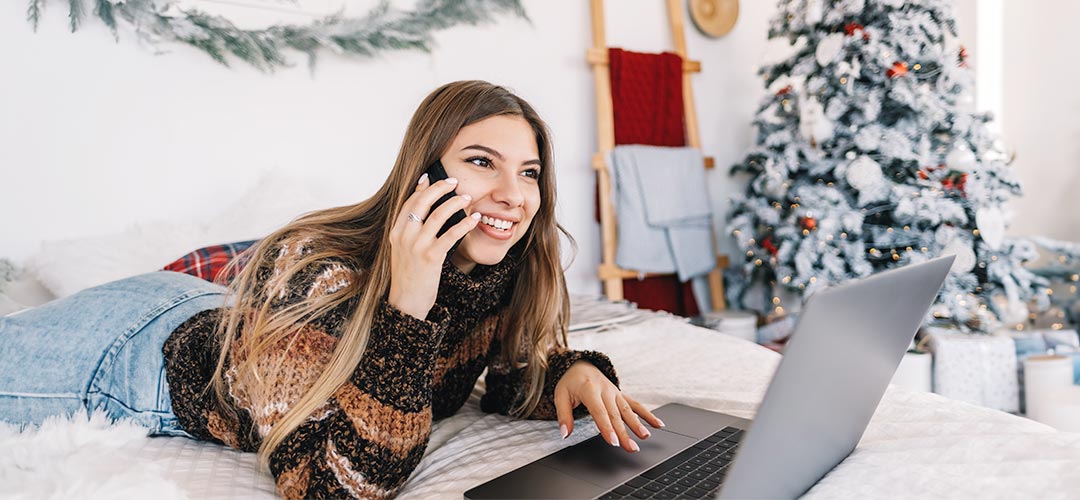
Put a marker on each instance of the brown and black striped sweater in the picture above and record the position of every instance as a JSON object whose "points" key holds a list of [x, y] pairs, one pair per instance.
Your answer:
{"points": [[371, 434]]}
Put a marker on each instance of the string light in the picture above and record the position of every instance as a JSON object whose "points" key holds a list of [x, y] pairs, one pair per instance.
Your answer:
{"points": [[749, 253], [975, 232], [786, 280], [757, 262], [776, 300], [889, 230], [907, 228], [779, 310], [917, 66], [813, 279], [806, 232], [735, 232]]}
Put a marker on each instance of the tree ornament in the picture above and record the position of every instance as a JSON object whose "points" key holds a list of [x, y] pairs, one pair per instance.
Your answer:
{"points": [[864, 174], [965, 256], [784, 91], [814, 126], [769, 246], [828, 48], [963, 55], [961, 158], [808, 223], [898, 69], [954, 182], [815, 11], [856, 29], [991, 224]]}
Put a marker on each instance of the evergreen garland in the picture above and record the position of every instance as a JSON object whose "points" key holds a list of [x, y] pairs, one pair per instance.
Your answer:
{"points": [[383, 28]]}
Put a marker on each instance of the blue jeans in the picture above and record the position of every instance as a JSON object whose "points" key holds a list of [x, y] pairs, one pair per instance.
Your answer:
{"points": [[100, 349]]}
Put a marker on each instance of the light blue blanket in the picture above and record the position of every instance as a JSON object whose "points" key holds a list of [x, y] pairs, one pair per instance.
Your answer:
{"points": [[663, 210]]}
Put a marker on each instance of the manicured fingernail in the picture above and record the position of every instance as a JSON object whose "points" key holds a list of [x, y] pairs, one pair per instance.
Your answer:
{"points": [[613, 438], [661, 423], [634, 446], [476, 215], [466, 197], [562, 428], [422, 179], [645, 431], [451, 180]]}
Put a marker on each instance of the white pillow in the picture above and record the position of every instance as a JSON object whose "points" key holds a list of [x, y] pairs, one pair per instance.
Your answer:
{"points": [[67, 266]]}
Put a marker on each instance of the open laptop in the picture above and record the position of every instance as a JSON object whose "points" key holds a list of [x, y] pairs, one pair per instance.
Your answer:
{"points": [[847, 344]]}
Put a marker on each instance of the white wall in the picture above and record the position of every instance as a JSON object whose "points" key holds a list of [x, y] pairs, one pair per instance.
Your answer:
{"points": [[96, 135], [1042, 115]]}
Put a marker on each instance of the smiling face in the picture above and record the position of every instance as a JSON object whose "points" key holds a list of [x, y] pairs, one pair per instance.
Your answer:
{"points": [[496, 162]]}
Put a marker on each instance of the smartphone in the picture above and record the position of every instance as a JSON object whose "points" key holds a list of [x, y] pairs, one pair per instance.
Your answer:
{"points": [[436, 173]]}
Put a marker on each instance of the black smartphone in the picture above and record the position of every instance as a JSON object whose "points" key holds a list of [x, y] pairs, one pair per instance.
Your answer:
{"points": [[436, 173]]}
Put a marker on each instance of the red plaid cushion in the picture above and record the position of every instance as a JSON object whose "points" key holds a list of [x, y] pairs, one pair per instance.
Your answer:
{"points": [[208, 262]]}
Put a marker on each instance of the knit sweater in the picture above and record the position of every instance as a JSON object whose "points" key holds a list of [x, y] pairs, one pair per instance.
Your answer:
{"points": [[367, 438]]}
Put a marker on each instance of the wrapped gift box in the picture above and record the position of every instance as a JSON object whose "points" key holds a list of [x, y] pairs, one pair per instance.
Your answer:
{"points": [[978, 369]]}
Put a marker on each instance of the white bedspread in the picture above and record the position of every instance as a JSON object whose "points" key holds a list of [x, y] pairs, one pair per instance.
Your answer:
{"points": [[917, 445]]}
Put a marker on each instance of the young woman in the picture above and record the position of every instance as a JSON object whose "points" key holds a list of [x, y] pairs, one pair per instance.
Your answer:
{"points": [[350, 329]]}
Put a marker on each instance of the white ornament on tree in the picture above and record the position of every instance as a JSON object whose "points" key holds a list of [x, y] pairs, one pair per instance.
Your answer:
{"points": [[991, 224], [864, 174], [961, 158], [814, 126], [815, 11], [965, 255], [828, 48]]}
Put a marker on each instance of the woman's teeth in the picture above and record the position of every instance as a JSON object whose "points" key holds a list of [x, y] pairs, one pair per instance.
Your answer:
{"points": [[500, 224]]}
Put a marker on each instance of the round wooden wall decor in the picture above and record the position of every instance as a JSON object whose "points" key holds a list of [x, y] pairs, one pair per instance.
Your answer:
{"points": [[714, 17]]}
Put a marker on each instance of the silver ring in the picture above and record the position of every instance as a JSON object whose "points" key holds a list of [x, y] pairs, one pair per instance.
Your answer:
{"points": [[415, 218]]}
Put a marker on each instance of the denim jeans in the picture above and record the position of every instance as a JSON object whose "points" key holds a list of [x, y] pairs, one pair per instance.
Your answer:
{"points": [[99, 349]]}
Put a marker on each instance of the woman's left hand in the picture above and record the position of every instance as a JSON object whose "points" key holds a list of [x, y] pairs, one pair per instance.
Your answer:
{"points": [[612, 410]]}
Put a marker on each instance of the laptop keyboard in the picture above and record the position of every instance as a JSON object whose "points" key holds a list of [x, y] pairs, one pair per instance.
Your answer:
{"points": [[696, 472]]}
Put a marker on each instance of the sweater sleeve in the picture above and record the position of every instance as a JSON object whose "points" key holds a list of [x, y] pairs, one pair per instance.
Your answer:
{"points": [[367, 438], [506, 386]]}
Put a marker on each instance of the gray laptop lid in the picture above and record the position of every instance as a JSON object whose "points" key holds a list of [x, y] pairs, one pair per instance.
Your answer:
{"points": [[846, 347]]}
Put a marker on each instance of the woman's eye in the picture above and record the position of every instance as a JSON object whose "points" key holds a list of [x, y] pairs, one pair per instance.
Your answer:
{"points": [[480, 161], [532, 173]]}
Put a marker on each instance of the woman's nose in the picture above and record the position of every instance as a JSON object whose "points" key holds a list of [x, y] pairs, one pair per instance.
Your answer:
{"points": [[508, 190]]}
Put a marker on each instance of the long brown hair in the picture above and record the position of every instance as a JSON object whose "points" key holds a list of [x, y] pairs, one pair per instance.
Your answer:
{"points": [[536, 318]]}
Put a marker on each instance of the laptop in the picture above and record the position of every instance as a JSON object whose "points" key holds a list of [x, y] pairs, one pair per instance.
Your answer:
{"points": [[847, 343]]}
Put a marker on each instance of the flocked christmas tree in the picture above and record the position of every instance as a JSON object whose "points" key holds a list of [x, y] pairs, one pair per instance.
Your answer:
{"points": [[869, 156]]}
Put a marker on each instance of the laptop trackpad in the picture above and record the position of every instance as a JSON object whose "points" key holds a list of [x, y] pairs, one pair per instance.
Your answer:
{"points": [[534, 481], [597, 462]]}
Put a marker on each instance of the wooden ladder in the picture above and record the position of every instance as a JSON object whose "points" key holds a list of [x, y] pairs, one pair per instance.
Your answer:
{"points": [[610, 273]]}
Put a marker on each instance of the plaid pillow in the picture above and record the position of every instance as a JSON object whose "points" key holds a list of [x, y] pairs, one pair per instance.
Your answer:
{"points": [[208, 262]]}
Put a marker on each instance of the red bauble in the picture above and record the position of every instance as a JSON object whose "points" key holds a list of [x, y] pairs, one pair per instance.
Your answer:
{"points": [[769, 246], [808, 223], [963, 56], [784, 90], [898, 69], [850, 29]]}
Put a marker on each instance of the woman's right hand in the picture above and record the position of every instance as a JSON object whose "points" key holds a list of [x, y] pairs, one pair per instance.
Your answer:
{"points": [[416, 255]]}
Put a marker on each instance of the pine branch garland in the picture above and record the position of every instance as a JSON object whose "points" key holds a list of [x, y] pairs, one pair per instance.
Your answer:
{"points": [[33, 13], [104, 12], [75, 13], [381, 29]]}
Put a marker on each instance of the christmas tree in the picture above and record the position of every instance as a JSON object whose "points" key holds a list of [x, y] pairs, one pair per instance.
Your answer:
{"points": [[869, 156]]}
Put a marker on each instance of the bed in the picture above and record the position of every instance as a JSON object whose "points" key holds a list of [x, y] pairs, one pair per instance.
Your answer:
{"points": [[918, 445]]}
